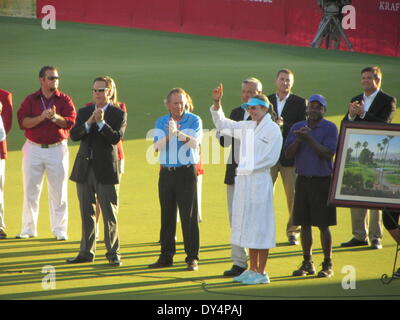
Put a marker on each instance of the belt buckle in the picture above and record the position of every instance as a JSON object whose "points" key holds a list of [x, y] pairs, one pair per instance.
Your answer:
{"points": [[45, 146], [170, 169]]}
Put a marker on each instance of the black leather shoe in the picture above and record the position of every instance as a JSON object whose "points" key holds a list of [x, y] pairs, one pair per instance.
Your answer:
{"points": [[160, 264], [235, 271], [79, 259], [193, 265], [115, 262], [354, 243]]}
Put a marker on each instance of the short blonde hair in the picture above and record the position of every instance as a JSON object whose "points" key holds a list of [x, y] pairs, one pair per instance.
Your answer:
{"points": [[189, 105], [255, 81]]}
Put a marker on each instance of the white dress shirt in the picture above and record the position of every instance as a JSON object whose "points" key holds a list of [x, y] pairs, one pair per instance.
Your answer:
{"points": [[281, 103]]}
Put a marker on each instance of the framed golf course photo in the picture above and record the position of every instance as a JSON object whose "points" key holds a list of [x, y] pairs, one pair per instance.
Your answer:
{"points": [[367, 166]]}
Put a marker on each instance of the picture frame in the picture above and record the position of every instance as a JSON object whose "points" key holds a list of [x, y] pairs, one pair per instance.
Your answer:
{"points": [[367, 166]]}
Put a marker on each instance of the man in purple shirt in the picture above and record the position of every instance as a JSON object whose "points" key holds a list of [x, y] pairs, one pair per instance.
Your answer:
{"points": [[312, 144]]}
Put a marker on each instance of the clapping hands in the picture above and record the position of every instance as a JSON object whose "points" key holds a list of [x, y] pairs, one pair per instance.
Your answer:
{"points": [[356, 108], [97, 116], [303, 133]]}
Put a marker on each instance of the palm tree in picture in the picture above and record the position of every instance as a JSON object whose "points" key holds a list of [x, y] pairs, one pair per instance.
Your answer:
{"points": [[357, 146], [385, 142], [379, 158], [379, 146]]}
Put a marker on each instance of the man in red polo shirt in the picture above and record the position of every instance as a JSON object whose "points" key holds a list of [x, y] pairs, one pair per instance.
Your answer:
{"points": [[6, 117], [46, 116]]}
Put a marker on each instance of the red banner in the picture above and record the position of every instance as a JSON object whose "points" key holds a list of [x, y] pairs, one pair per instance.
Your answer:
{"points": [[291, 22]]}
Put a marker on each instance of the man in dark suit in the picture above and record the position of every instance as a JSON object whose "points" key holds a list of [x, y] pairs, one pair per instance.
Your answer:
{"points": [[250, 88], [289, 109], [372, 106], [96, 170]]}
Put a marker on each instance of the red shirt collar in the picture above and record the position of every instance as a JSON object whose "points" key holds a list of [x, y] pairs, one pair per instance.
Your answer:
{"points": [[39, 93]]}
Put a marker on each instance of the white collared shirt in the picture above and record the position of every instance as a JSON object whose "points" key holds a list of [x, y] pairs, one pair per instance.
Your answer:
{"points": [[281, 103], [368, 100], [246, 115]]}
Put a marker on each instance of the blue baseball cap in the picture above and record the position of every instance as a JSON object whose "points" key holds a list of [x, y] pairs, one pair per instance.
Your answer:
{"points": [[319, 98], [255, 102]]}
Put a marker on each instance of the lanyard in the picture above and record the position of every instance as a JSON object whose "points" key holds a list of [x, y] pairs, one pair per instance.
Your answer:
{"points": [[44, 106]]}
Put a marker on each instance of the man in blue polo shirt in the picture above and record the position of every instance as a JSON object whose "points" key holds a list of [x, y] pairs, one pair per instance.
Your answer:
{"points": [[312, 143], [177, 137]]}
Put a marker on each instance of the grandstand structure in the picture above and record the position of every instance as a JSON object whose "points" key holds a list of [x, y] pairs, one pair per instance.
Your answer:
{"points": [[18, 8]]}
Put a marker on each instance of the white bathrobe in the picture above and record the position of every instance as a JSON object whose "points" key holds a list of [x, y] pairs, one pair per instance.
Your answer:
{"points": [[253, 221]]}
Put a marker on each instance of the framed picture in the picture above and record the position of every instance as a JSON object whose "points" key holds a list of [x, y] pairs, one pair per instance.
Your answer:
{"points": [[367, 166]]}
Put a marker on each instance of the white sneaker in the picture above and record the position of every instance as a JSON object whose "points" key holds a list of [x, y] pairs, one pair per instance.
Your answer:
{"points": [[257, 278], [62, 238], [246, 274], [24, 236]]}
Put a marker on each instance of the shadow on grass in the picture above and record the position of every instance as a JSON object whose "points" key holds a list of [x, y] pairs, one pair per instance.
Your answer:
{"points": [[137, 281]]}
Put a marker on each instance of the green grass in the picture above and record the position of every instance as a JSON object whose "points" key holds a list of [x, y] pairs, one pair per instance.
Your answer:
{"points": [[367, 172], [146, 65]]}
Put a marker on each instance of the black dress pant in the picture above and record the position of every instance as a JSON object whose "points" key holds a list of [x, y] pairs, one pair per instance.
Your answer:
{"points": [[177, 188]]}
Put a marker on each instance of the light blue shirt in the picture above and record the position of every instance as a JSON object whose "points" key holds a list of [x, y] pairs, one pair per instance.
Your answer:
{"points": [[177, 153]]}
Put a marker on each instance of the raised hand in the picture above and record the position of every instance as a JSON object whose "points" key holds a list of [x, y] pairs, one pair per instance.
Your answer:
{"points": [[217, 94]]}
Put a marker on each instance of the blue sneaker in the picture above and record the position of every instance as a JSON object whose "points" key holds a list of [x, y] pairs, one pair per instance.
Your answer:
{"points": [[257, 278], [246, 274]]}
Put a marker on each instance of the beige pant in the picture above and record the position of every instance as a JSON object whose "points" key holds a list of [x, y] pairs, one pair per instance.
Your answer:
{"points": [[288, 176], [364, 228], [238, 254]]}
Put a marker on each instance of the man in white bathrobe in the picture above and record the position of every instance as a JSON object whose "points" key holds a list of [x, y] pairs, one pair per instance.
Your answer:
{"points": [[253, 221]]}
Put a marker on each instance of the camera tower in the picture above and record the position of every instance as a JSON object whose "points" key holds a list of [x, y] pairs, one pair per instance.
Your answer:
{"points": [[330, 27]]}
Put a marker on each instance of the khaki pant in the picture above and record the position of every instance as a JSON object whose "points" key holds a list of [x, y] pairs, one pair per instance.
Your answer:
{"points": [[238, 254], [364, 228], [288, 176]]}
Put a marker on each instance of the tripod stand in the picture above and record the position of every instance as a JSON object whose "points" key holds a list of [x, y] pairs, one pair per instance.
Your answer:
{"points": [[330, 28], [394, 233]]}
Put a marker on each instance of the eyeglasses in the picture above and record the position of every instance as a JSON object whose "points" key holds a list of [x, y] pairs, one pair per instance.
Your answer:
{"points": [[99, 90], [53, 78]]}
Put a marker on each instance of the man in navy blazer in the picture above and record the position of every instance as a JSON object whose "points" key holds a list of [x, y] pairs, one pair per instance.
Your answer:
{"points": [[373, 105], [99, 128]]}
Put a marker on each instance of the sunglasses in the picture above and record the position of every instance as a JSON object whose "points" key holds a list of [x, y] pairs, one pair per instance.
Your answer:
{"points": [[251, 107], [99, 90], [53, 78]]}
